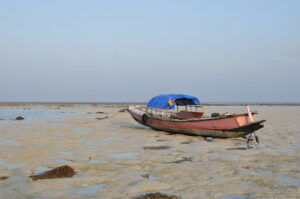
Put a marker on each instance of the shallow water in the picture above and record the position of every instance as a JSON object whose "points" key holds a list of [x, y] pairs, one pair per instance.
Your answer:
{"points": [[63, 161], [8, 115], [90, 190], [289, 181], [236, 196], [4, 164], [118, 158], [118, 165], [66, 153], [97, 162], [124, 155], [6, 141], [40, 170], [148, 176]]}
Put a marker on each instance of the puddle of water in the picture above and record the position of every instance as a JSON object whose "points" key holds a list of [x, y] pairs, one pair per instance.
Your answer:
{"points": [[264, 171], [118, 165], [104, 121], [123, 155], [63, 161], [97, 162], [65, 153], [110, 139], [91, 143], [8, 114], [289, 150], [147, 175], [90, 190], [289, 181], [11, 166], [243, 181], [143, 172], [233, 196], [15, 166], [6, 141]]}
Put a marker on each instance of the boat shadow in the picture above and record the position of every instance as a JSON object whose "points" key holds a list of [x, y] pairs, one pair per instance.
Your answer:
{"points": [[129, 125]]}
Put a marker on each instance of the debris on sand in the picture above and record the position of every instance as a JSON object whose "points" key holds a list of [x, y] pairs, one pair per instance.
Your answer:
{"points": [[250, 168], [101, 118], [239, 148], [122, 110], [20, 118], [59, 172], [184, 159], [156, 147], [145, 175], [3, 177], [100, 112], [157, 195], [186, 142]]}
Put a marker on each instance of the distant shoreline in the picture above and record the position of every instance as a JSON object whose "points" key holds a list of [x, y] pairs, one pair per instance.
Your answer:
{"points": [[144, 103]]}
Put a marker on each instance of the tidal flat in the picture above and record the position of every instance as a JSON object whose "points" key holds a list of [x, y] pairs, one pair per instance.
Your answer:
{"points": [[115, 157]]}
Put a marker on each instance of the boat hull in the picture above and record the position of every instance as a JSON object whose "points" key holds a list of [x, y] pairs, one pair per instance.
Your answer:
{"points": [[224, 127]]}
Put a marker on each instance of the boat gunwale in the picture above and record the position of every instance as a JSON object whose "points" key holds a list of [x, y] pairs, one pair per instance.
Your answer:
{"points": [[192, 120]]}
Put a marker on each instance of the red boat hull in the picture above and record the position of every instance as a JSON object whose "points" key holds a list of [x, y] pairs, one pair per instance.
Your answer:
{"points": [[225, 127]]}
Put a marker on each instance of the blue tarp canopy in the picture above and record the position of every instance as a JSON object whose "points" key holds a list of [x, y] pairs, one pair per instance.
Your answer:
{"points": [[169, 101]]}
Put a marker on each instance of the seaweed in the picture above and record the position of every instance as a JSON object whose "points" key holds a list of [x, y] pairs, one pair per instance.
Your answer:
{"points": [[101, 118], [59, 172], [20, 118], [3, 177], [157, 195], [156, 147], [184, 159]]}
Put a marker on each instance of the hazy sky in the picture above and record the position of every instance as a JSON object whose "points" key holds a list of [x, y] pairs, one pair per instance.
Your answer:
{"points": [[230, 51]]}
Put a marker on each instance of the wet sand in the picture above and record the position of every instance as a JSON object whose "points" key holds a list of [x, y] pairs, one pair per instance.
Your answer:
{"points": [[115, 157]]}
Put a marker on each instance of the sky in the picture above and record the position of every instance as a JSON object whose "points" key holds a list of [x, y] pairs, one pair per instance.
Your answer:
{"points": [[130, 51]]}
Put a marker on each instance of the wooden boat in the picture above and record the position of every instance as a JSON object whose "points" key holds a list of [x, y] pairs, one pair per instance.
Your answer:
{"points": [[163, 113]]}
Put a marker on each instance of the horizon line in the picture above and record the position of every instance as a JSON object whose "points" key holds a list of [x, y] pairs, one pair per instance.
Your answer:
{"points": [[203, 103]]}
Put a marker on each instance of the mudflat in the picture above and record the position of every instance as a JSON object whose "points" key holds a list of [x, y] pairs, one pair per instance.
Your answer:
{"points": [[114, 157]]}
